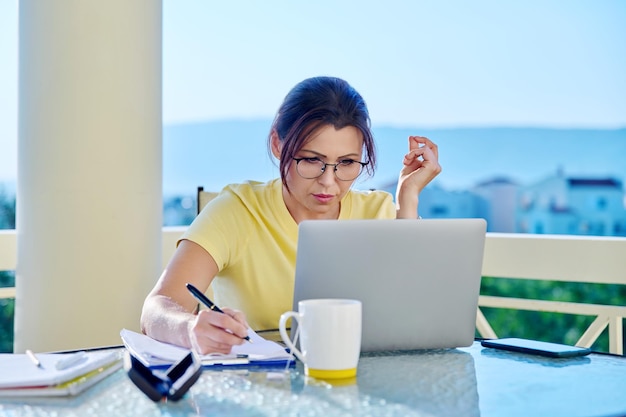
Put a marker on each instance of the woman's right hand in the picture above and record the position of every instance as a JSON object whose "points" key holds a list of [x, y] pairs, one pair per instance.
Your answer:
{"points": [[214, 332], [168, 311]]}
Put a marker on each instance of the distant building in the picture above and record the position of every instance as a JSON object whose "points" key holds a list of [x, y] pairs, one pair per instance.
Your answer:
{"points": [[500, 195], [435, 202], [579, 206], [556, 205], [438, 203]]}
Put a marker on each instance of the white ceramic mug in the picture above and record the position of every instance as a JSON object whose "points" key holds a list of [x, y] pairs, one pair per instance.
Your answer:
{"points": [[330, 336]]}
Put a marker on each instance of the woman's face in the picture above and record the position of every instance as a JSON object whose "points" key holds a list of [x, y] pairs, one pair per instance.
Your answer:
{"points": [[319, 198]]}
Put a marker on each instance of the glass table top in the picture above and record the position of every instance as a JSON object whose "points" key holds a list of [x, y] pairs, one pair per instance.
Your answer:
{"points": [[473, 381]]}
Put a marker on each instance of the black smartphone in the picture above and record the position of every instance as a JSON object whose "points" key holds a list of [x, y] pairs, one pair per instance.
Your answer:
{"points": [[535, 347]]}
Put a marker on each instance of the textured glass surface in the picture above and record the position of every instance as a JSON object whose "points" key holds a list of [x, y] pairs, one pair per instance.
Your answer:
{"points": [[473, 381]]}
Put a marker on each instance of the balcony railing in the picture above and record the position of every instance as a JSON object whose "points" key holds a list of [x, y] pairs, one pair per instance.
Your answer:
{"points": [[584, 259], [563, 258]]}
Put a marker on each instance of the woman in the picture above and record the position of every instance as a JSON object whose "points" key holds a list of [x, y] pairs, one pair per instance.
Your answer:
{"points": [[244, 241]]}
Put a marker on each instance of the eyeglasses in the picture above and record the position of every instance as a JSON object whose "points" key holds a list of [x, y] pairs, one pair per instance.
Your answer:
{"points": [[345, 170]]}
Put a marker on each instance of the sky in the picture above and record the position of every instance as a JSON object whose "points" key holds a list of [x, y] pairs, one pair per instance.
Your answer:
{"points": [[557, 63]]}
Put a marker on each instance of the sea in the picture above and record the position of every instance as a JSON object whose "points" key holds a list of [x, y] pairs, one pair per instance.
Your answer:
{"points": [[213, 154]]}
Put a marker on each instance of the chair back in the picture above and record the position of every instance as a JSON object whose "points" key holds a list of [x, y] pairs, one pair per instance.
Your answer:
{"points": [[203, 197]]}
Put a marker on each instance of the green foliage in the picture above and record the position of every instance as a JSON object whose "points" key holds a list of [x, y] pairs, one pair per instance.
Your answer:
{"points": [[7, 312], [7, 211], [7, 278], [550, 327]]}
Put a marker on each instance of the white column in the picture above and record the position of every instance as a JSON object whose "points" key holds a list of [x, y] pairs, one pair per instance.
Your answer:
{"points": [[89, 206]]}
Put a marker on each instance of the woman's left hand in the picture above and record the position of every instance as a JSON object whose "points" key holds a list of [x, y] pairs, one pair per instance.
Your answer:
{"points": [[421, 164], [420, 167]]}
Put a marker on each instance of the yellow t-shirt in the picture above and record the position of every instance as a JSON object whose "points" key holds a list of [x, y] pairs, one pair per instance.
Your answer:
{"points": [[252, 237]]}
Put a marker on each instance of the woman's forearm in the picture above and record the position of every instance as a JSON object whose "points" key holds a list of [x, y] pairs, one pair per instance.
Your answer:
{"points": [[165, 320], [406, 203]]}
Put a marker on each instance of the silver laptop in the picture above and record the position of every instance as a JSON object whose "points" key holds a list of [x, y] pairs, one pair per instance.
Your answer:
{"points": [[418, 280]]}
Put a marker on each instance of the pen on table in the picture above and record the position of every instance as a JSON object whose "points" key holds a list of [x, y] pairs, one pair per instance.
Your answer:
{"points": [[33, 358], [208, 303]]}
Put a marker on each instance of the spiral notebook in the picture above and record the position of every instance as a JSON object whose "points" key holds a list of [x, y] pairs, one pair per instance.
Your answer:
{"points": [[418, 280]]}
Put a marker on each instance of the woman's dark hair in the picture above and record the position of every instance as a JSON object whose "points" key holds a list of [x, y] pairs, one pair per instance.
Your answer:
{"points": [[314, 103]]}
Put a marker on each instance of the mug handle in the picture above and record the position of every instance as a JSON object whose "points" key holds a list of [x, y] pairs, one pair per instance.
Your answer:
{"points": [[283, 333]]}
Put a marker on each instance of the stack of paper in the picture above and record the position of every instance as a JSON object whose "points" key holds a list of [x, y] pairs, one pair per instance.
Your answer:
{"points": [[57, 374], [154, 354]]}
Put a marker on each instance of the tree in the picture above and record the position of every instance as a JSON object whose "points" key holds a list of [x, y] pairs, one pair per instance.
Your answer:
{"points": [[7, 210]]}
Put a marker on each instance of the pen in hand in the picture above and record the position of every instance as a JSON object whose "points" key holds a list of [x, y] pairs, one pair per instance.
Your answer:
{"points": [[208, 303]]}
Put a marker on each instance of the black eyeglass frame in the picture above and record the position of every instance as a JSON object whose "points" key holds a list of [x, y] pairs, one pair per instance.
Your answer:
{"points": [[323, 169]]}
